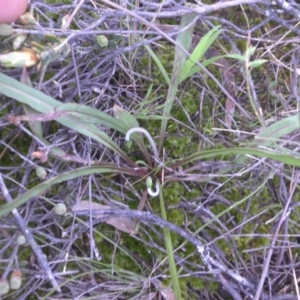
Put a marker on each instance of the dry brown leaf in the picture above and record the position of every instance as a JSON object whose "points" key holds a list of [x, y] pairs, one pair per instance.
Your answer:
{"points": [[123, 224], [229, 108], [167, 293]]}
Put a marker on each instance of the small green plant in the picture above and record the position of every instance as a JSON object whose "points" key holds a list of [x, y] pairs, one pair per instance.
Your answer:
{"points": [[83, 119], [155, 171]]}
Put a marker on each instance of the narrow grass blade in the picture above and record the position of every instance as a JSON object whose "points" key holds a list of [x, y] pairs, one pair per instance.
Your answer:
{"points": [[196, 68], [159, 64], [207, 62], [149, 91], [289, 159], [257, 63], [268, 137], [43, 186], [45, 104], [184, 39], [36, 127], [277, 130], [205, 42], [91, 115], [25, 94]]}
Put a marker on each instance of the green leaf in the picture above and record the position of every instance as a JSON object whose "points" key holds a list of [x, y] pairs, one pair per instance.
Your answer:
{"points": [[159, 64], [25, 94], [42, 187], [128, 121], [199, 51], [36, 127], [256, 63], [290, 158], [125, 118], [196, 68], [209, 61], [270, 135], [149, 91], [91, 115], [250, 51], [78, 122]]}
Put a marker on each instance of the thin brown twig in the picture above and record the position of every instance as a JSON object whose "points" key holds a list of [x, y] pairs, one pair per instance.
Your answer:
{"points": [[41, 257]]}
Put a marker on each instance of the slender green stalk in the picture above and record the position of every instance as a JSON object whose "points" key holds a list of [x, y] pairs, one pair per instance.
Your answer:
{"points": [[170, 251], [184, 39], [255, 106]]}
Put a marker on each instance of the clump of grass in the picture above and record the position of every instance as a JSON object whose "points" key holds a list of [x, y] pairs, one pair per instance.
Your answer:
{"points": [[207, 184]]}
